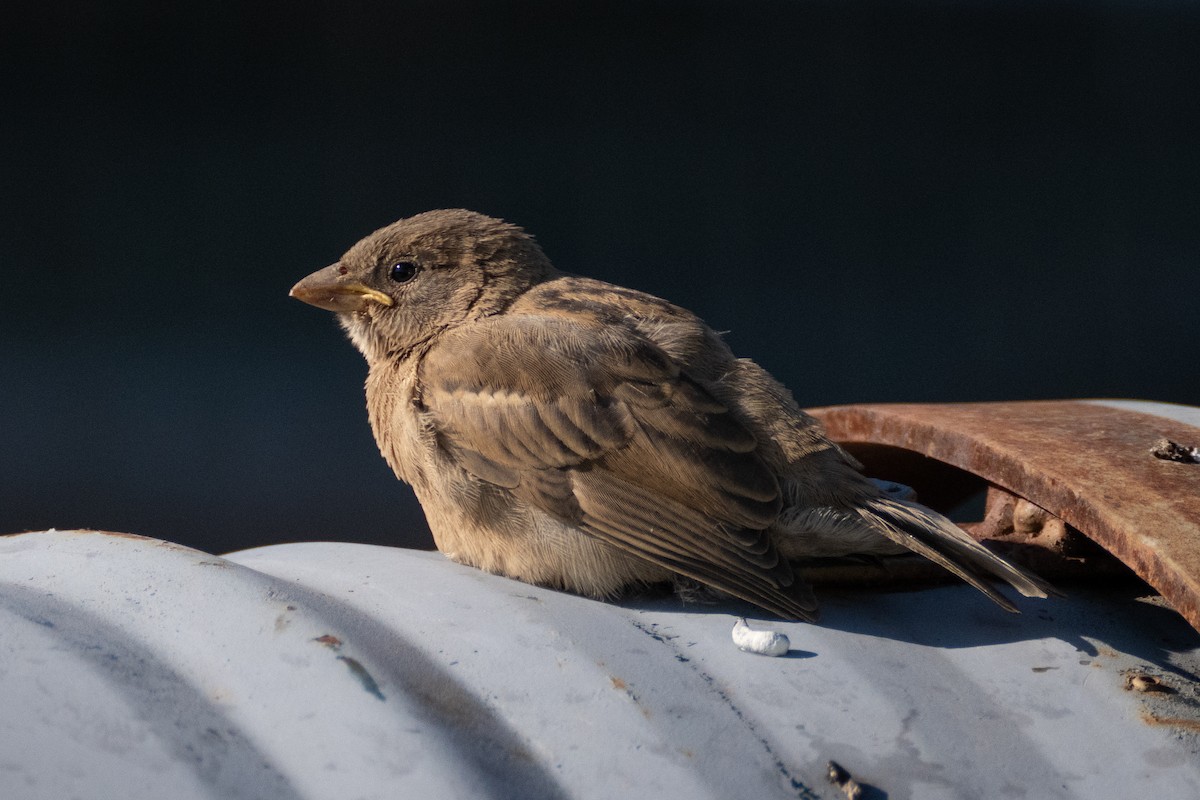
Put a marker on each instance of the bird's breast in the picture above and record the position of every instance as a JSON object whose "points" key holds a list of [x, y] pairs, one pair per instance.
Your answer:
{"points": [[404, 437]]}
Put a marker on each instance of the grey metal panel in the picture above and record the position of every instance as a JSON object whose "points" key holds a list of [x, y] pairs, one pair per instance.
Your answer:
{"points": [[1188, 415], [135, 668]]}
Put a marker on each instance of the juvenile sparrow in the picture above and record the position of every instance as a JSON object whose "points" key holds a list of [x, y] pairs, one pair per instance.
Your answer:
{"points": [[574, 434]]}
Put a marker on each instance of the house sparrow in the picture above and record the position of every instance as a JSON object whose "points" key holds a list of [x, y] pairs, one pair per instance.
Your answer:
{"points": [[575, 434]]}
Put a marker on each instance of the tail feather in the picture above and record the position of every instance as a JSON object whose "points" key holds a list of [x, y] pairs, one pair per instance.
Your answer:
{"points": [[931, 535]]}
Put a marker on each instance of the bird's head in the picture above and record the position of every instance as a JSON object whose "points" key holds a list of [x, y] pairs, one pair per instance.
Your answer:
{"points": [[406, 282]]}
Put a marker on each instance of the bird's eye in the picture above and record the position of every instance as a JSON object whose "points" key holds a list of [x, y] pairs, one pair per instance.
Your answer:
{"points": [[403, 271]]}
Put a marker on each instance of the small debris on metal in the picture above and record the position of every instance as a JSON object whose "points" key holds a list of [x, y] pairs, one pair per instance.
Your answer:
{"points": [[353, 664], [1142, 682], [765, 643], [840, 777], [369, 684], [1168, 450]]}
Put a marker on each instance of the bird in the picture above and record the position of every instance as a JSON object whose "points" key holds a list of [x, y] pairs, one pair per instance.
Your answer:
{"points": [[587, 437]]}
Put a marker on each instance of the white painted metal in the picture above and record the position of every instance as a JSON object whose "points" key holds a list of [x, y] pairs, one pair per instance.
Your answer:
{"points": [[1188, 415], [133, 668]]}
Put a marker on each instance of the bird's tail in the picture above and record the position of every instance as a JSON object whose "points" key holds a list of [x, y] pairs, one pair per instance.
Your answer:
{"points": [[931, 535]]}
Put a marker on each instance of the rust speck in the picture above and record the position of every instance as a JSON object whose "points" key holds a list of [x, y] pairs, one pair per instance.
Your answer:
{"points": [[618, 683], [332, 642]]}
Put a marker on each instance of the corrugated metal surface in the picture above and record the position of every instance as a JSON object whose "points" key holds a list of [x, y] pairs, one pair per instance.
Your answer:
{"points": [[134, 668]]}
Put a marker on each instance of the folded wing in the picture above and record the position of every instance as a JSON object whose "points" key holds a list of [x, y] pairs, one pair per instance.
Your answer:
{"points": [[596, 426]]}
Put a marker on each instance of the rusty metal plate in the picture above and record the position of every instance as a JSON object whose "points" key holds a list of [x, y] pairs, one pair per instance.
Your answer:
{"points": [[1086, 462]]}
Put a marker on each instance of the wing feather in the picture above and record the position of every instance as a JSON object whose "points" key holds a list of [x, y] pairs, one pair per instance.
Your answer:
{"points": [[599, 428]]}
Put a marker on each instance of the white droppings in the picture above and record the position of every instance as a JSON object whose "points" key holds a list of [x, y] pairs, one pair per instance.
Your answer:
{"points": [[765, 643]]}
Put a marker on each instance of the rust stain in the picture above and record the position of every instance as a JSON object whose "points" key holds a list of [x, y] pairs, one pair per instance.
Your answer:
{"points": [[330, 641], [118, 535], [1085, 464], [122, 535], [1192, 725], [621, 686]]}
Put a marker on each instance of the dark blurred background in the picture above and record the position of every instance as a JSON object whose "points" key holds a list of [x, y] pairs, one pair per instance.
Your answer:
{"points": [[879, 202]]}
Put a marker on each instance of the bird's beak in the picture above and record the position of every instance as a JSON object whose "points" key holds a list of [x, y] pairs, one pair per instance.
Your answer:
{"points": [[332, 290]]}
